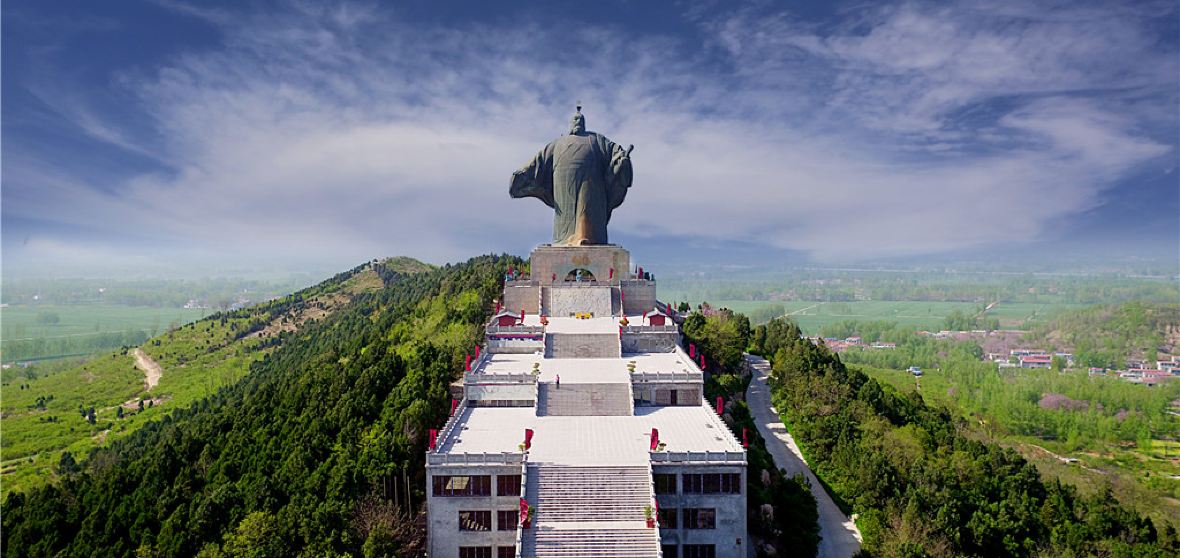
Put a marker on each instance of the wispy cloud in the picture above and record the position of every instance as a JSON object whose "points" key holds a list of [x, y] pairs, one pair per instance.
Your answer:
{"points": [[901, 130]]}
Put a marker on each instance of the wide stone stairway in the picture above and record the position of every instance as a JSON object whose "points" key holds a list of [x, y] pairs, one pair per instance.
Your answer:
{"points": [[583, 345], [590, 512], [606, 399]]}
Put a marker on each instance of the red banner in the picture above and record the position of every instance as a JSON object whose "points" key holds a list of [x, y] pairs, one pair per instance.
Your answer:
{"points": [[454, 405], [720, 405], [467, 363], [702, 362], [655, 439], [525, 520], [745, 438], [433, 438], [528, 438], [692, 350], [477, 352]]}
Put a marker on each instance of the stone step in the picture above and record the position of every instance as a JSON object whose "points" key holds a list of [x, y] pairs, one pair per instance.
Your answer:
{"points": [[583, 345], [607, 399], [589, 511]]}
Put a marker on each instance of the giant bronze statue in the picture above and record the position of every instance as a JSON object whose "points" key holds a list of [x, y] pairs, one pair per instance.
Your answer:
{"points": [[583, 176]]}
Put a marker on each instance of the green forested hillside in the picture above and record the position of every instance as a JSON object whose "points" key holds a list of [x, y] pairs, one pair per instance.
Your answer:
{"points": [[317, 451], [922, 487], [50, 409], [1109, 335]]}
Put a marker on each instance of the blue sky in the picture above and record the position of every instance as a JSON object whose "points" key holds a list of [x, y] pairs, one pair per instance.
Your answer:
{"points": [[165, 133]]}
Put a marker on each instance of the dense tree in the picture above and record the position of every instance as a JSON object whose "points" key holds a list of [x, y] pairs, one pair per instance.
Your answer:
{"points": [[278, 463], [781, 511], [921, 487]]}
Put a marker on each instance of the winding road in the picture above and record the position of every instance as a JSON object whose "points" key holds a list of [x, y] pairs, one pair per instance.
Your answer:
{"points": [[841, 538]]}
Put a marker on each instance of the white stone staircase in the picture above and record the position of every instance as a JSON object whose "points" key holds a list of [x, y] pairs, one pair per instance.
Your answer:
{"points": [[582, 345], [585, 512], [607, 399]]}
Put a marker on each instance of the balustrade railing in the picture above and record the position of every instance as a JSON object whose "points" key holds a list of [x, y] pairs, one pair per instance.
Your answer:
{"points": [[521, 378], [663, 457], [667, 328], [503, 458], [666, 377], [494, 329]]}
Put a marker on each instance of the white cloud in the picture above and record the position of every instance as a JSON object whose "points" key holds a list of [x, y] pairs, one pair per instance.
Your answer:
{"points": [[346, 133]]}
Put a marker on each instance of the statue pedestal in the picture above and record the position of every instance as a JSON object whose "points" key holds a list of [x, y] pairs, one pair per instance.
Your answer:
{"points": [[596, 263]]}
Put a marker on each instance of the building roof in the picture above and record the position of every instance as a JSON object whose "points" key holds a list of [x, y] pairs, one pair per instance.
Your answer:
{"points": [[586, 370], [589, 440]]}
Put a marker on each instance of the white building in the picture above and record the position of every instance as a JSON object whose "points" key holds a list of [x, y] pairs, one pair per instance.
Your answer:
{"points": [[623, 456]]}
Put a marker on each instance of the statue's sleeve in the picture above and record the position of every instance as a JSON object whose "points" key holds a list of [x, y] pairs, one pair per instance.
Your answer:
{"points": [[619, 174], [536, 178]]}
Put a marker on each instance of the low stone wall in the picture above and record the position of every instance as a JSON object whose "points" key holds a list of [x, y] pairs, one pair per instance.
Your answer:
{"points": [[563, 301], [650, 342], [639, 297], [526, 297]]}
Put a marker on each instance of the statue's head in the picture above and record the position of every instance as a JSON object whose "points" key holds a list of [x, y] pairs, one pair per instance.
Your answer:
{"points": [[578, 122]]}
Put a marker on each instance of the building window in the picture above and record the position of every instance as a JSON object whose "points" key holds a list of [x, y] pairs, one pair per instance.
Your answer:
{"points": [[475, 521], [699, 551], [505, 552], [447, 485], [700, 518], [475, 552], [668, 550], [507, 520], [507, 485], [665, 483], [711, 483], [667, 517]]}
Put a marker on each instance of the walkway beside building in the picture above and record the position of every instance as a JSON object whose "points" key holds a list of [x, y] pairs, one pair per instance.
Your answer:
{"points": [[841, 538]]}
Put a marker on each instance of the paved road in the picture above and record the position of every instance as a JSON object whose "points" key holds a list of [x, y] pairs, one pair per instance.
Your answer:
{"points": [[841, 538]]}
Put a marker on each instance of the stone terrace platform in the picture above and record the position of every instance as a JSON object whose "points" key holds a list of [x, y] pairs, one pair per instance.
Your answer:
{"points": [[585, 370], [589, 441]]}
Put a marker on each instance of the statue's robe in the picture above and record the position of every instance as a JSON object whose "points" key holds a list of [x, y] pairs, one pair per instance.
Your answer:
{"points": [[583, 177]]}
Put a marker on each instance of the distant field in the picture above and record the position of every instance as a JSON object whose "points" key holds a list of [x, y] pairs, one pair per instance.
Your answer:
{"points": [[47, 331], [1019, 315], [811, 316]]}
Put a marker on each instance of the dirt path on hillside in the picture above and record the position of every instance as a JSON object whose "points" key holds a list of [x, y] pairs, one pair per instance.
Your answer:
{"points": [[840, 536], [151, 369]]}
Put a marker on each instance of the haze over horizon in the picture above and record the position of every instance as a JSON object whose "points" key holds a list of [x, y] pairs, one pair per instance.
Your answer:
{"points": [[165, 134]]}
